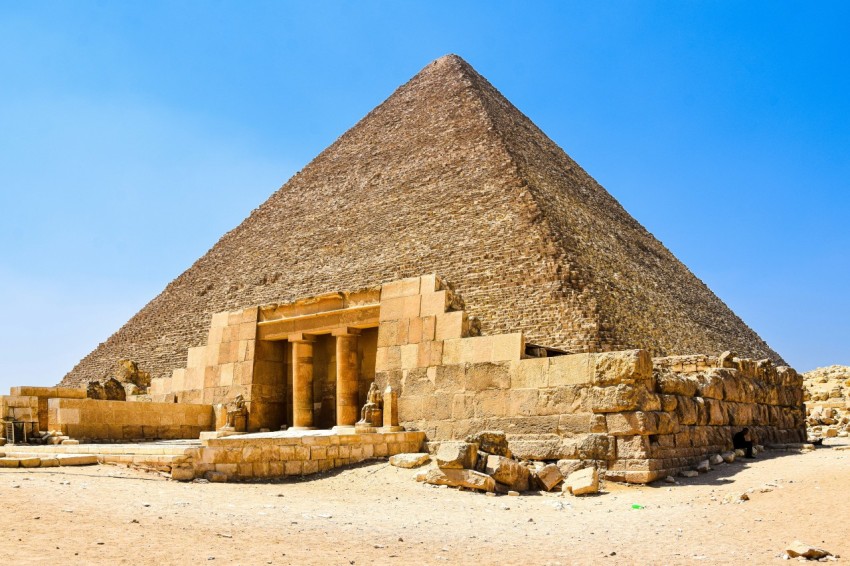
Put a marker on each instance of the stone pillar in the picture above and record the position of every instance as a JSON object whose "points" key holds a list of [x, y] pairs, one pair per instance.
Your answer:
{"points": [[302, 380], [390, 411], [347, 370]]}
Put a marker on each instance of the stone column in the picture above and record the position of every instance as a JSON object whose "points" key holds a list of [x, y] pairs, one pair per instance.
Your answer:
{"points": [[347, 370], [302, 380]]}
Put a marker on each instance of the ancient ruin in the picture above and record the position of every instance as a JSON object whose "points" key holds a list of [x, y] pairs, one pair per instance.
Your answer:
{"points": [[442, 277]]}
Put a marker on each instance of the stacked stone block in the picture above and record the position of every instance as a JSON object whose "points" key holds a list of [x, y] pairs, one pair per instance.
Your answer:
{"points": [[237, 458], [91, 420]]}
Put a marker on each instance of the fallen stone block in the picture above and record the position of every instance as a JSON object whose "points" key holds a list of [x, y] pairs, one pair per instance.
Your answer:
{"points": [[461, 478], [216, 477], [457, 455], [549, 476], [49, 462], [9, 462], [716, 460], [77, 459], [728, 457], [582, 482], [704, 467], [183, 473], [68, 441], [410, 460], [689, 473], [508, 472], [807, 551], [492, 442]]}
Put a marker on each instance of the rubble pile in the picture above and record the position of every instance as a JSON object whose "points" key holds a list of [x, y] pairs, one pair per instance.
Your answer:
{"points": [[827, 397], [484, 462]]}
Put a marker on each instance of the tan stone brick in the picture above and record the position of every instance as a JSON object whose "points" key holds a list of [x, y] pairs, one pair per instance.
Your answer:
{"points": [[573, 369], [388, 358], [414, 330], [410, 356], [612, 368], [197, 357], [429, 327], [477, 350], [530, 373], [400, 288], [490, 403], [452, 352], [523, 402], [293, 467], [507, 347], [482, 376], [434, 303], [450, 325]]}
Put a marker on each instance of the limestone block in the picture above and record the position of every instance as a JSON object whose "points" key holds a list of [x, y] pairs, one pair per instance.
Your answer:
{"points": [[490, 403], [197, 357], [430, 353], [549, 476], [574, 369], [507, 471], [388, 358], [413, 460], [388, 333], [807, 551], [491, 441], [452, 352], [429, 327], [450, 325], [7, 462], [676, 384], [449, 377], [409, 354], [429, 283], [31, 462], [48, 462], [582, 482], [622, 397], [463, 406], [461, 478], [482, 376], [529, 373], [400, 288], [414, 330], [507, 347], [399, 308], [435, 303], [581, 423], [523, 402], [457, 455], [633, 447], [612, 368], [686, 410]]}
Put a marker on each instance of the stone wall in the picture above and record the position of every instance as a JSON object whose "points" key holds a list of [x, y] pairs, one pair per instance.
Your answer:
{"points": [[41, 395], [256, 457], [445, 176], [90, 420]]}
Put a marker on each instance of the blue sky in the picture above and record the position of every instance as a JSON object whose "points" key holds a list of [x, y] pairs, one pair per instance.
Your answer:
{"points": [[134, 134]]}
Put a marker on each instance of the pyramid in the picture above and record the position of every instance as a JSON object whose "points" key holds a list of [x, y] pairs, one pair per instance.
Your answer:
{"points": [[446, 176]]}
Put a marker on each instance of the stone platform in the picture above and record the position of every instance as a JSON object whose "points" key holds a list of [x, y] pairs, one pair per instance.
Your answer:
{"points": [[291, 453]]}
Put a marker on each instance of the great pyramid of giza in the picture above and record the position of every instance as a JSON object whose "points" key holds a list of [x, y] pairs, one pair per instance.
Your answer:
{"points": [[447, 177]]}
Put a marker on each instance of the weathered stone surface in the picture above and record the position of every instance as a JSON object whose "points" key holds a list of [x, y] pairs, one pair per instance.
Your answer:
{"points": [[461, 478], [94, 390], [508, 472], [582, 482], [457, 455], [114, 390], [216, 477], [797, 548], [77, 459], [549, 476], [9, 462], [689, 473], [491, 442], [183, 473], [628, 366], [704, 466], [716, 460], [410, 460]]}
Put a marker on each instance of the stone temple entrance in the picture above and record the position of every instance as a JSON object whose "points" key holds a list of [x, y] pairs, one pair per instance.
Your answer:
{"points": [[321, 359]]}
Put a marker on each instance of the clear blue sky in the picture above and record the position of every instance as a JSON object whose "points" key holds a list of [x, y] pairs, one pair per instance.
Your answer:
{"points": [[134, 134]]}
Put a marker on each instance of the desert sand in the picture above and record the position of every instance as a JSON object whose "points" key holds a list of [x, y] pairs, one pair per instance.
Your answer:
{"points": [[375, 513]]}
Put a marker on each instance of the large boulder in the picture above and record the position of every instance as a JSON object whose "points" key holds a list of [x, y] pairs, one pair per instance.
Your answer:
{"points": [[549, 476], [582, 482], [461, 478], [507, 472], [457, 455]]}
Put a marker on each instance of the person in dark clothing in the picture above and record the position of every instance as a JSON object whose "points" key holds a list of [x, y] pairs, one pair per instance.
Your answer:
{"points": [[743, 441]]}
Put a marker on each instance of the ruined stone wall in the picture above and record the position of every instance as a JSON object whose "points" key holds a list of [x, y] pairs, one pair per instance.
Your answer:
{"points": [[430, 182], [268, 457], [90, 420], [634, 417]]}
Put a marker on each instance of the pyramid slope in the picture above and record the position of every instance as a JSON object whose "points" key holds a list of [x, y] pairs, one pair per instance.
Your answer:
{"points": [[432, 181]]}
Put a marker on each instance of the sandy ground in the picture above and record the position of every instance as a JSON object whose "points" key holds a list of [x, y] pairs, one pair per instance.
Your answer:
{"points": [[376, 513]]}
